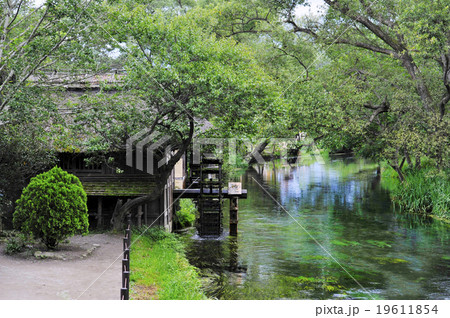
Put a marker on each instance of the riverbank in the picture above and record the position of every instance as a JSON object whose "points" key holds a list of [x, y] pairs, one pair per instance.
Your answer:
{"points": [[160, 270], [425, 191]]}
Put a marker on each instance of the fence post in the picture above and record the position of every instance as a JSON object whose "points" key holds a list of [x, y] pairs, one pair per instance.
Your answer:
{"points": [[128, 230], [125, 290]]}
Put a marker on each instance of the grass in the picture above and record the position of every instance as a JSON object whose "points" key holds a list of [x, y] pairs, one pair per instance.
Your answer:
{"points": [[425, 191], [160, 270]]}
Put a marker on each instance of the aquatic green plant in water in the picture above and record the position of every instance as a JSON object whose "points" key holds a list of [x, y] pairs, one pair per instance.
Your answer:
{"points": [[326, 283], [379, 243], [389, 260], [345, 243], [315, 257]]}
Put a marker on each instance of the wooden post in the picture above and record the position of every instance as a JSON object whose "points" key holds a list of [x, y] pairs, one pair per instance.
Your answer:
{"points": [[125, 290], [234, 216], [126, 244], [145, 213], [99, 212], [233, 244], [124, 294], [128, 231], [139, 216]]}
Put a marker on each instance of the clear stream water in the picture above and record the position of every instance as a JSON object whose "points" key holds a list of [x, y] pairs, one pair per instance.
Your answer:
{"points": [[336, 236]]}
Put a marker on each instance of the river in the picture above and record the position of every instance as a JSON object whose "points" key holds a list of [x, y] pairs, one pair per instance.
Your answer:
{"points": [[323, 231]]}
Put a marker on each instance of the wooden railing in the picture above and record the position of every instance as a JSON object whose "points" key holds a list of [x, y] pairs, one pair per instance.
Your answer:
{"points": [[125, 290]]}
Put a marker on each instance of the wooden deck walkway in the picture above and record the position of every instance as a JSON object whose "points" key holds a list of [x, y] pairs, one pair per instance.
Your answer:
{"points": [[195, 193]]}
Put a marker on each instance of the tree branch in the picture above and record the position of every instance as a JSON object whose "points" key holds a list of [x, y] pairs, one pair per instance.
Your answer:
{"points": [[296, 28], [164, 174], [298, 60], [366, 46], [375, 29], [45, 56], [17, 13], [383, 108]]}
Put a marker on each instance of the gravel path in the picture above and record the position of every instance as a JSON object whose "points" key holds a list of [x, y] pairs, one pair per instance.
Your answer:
{"points": [[80, 276]]}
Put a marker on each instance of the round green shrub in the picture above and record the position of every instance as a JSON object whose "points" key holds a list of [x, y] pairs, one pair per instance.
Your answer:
{"points": [[52, 207]]}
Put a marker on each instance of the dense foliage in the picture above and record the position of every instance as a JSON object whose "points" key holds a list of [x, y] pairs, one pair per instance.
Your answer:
{"points": [[36, 43], [187, 212], [52, 207], [179, 76], [367, 77], [20, 159], [370, 77]]}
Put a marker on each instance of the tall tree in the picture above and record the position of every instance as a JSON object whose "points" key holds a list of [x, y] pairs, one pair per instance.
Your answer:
{"points": [[413, 32], [385, 79], [178, 73], [35, 41], [379, 81]]}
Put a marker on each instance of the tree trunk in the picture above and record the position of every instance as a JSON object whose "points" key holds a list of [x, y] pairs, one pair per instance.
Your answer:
{"points": [[418, 163], [402, 163], [164, 174], [256, 153], [116, 221], [421, 87], [408, 160], [399, 172]]}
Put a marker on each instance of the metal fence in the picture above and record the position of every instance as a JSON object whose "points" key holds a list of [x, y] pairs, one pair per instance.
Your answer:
{"points": [[125, 290]]}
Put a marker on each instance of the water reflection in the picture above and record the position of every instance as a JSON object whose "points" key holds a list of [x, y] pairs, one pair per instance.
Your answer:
{"points": [[342, 205]]}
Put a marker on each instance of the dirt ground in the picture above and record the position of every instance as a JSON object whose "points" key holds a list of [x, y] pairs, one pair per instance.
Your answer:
{"points": [[87, 267]]}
